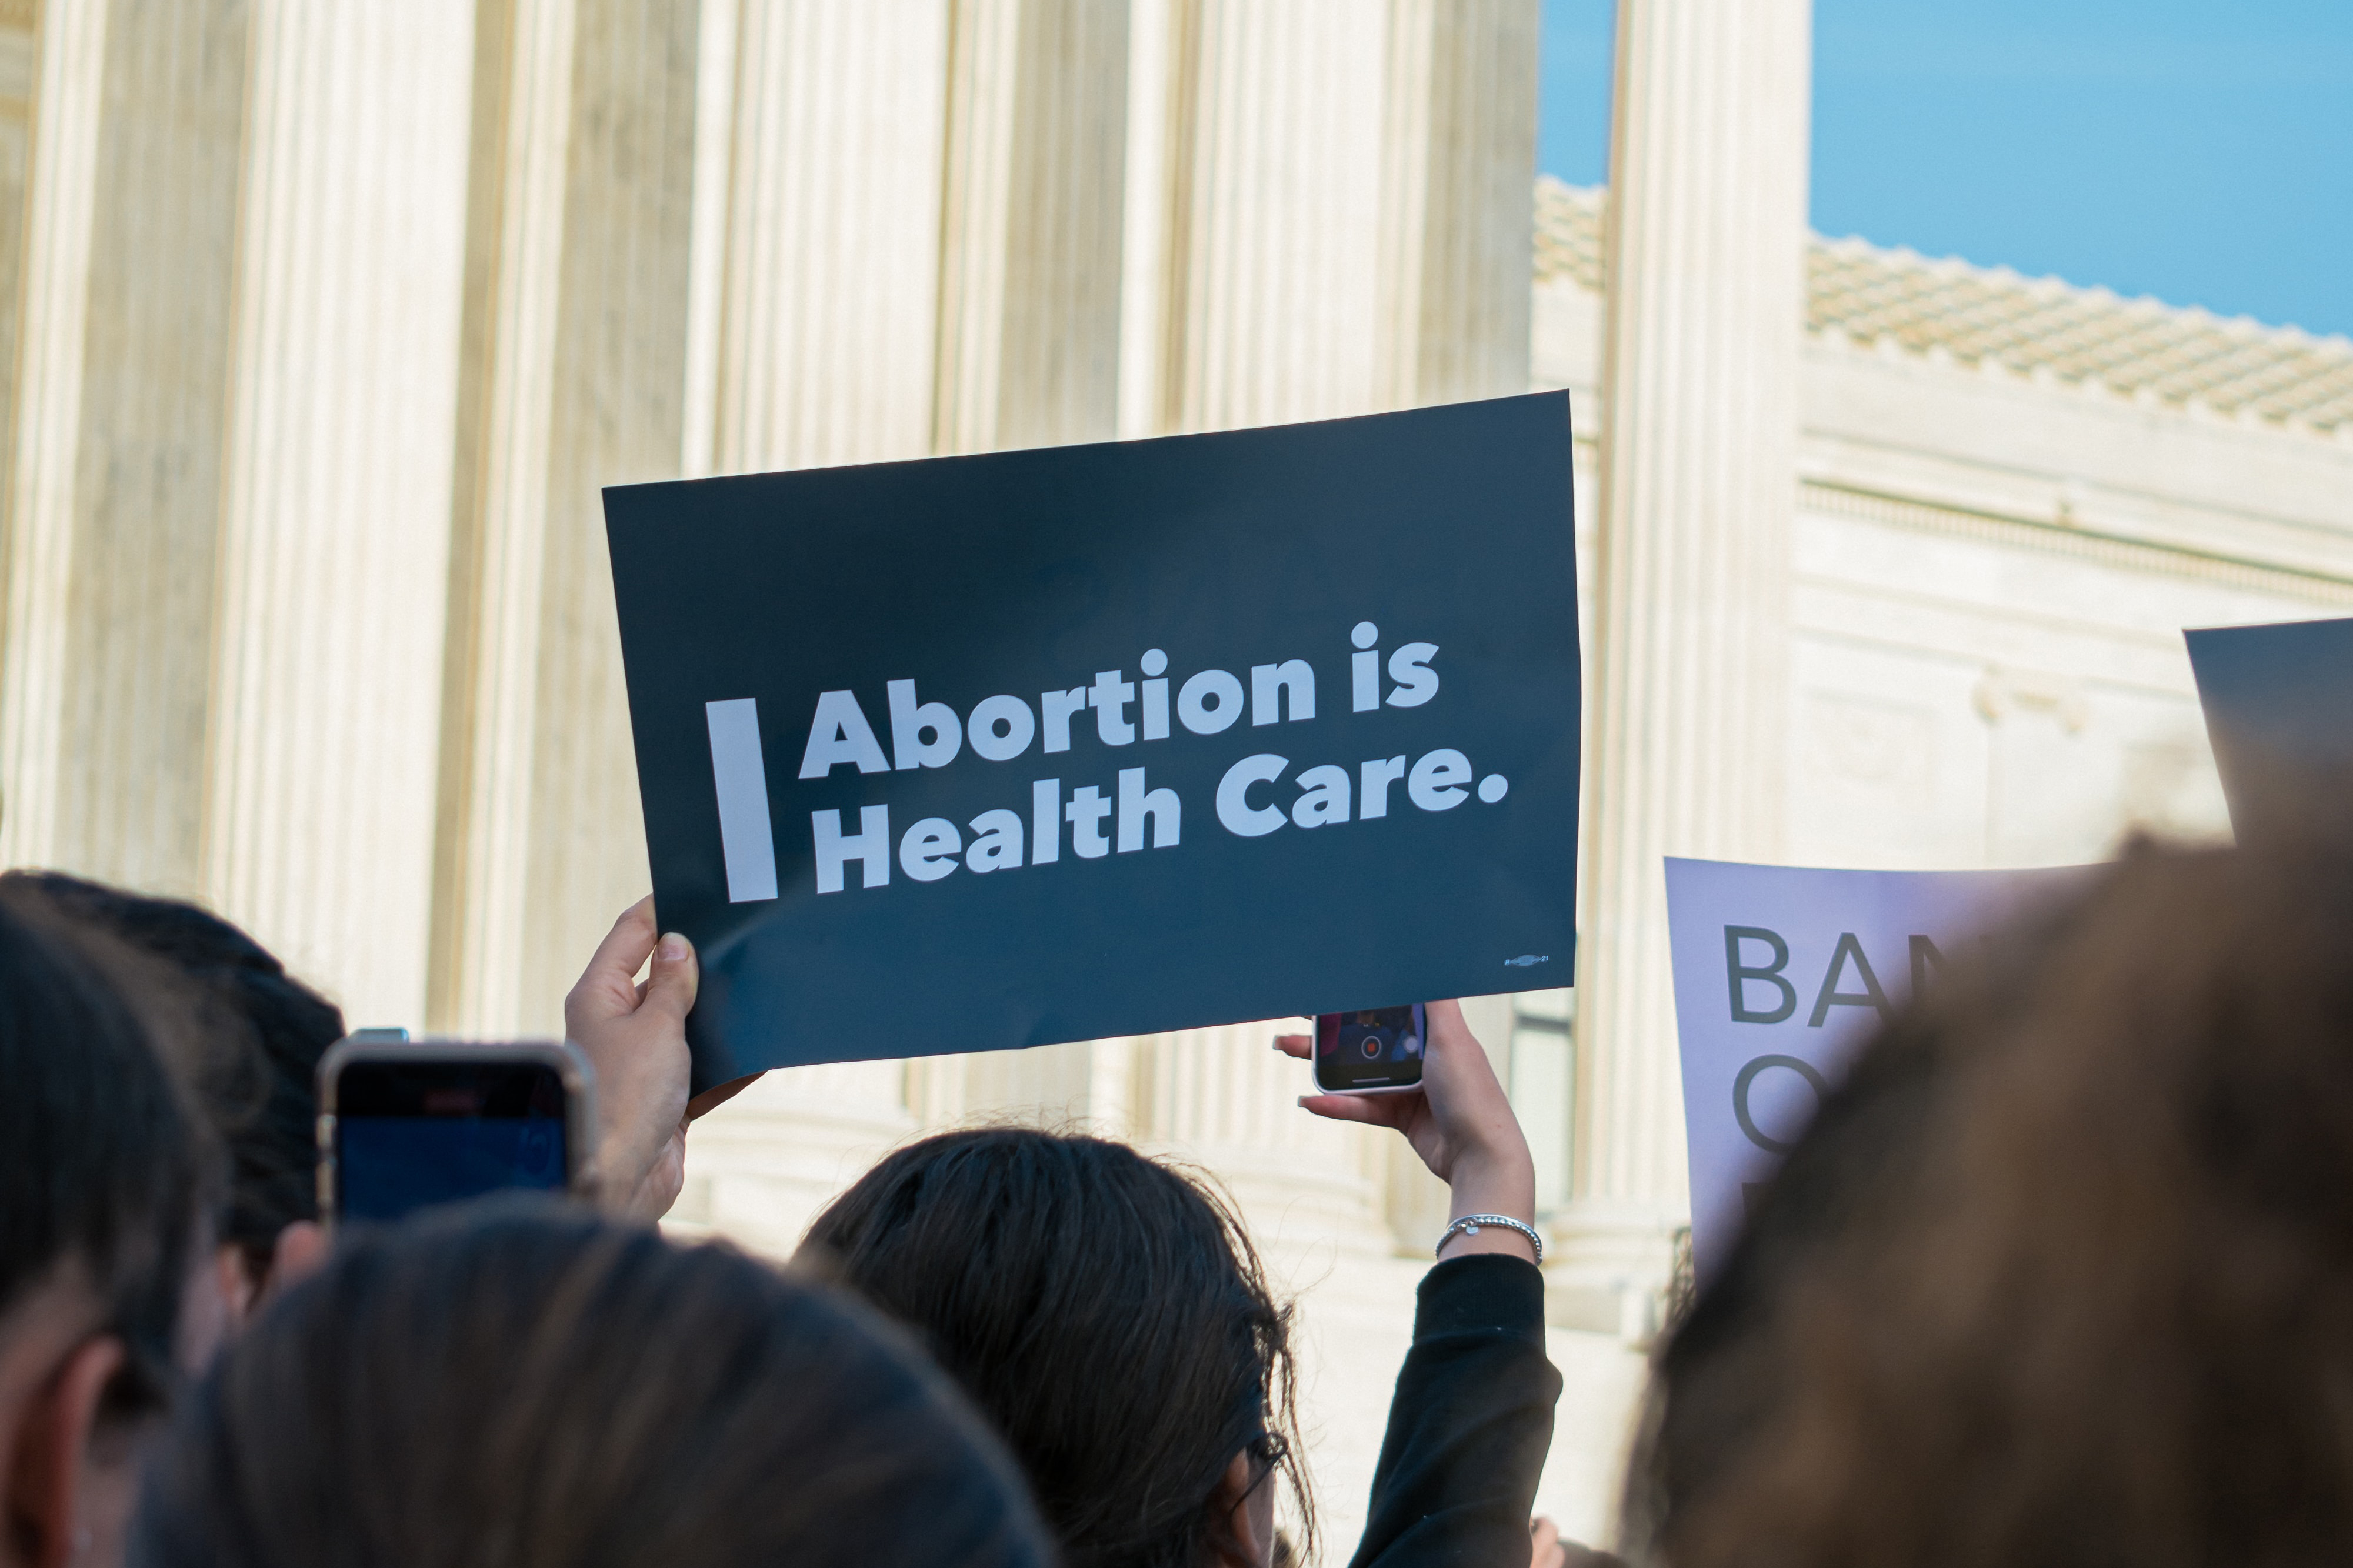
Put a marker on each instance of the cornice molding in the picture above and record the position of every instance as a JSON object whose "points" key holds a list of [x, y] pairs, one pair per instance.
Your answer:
{"points": [[2069, 542]]}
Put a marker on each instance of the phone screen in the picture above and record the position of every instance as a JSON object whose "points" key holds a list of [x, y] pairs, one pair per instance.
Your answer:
{"points": [[409, 1135], [1373, 1047]]}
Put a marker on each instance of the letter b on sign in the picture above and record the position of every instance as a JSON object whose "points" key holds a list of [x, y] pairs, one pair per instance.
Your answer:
{"points": [[1740, 976]]}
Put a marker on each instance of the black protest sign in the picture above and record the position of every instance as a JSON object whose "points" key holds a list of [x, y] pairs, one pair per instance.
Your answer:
{"points": [[971, 754], [2279, 710]]}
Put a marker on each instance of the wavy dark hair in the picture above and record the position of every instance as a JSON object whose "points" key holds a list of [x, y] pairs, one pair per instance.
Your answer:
{"points": [[106, 1170], [1106, 1311], [2064, 1272], [522, 1383], [266, 1032]]}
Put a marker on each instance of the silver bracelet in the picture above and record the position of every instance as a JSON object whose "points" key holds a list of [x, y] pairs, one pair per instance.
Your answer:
{"points": [[1470, 1222]]}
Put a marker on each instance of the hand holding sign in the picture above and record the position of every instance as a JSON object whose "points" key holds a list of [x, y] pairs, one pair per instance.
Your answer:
{"points": [[634, 1036], [979, 753]]}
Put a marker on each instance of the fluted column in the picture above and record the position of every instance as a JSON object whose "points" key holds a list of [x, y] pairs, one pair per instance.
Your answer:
{"points": [[1458, 227], [1273, 172], [1029, 296], [60, 209], [20, 74], [120, 438], [1327, 209], [619, 383], [826, 331], [1685, 750], [577, 316], [523, 112], [334, 551], [20, 69]]}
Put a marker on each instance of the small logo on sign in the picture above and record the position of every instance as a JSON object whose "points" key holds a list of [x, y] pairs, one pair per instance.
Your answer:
{"points": [[1527, 961]]}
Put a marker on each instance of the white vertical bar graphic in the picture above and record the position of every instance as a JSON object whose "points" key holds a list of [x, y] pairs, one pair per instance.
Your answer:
{"points": [[743, 782]]}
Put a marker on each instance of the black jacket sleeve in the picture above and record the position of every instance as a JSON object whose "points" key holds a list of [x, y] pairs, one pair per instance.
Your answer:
{"points": [[1468, 1424]]}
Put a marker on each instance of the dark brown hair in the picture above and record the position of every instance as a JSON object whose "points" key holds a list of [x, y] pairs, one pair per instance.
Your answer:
{"points": [[105, 1170], [522, 1384], [1106, 1311], [266, 1032], [2064, 1273]]}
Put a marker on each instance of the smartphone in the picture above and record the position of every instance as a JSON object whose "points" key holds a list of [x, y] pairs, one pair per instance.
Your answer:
{"points": [[1374, 1050], [405, 1126]]}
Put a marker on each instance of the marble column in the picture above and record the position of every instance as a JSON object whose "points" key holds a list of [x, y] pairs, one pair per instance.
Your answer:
{"points": [[65, 63], [116, 500], [1684, 747], [576, 341], [1459, 229], [1327, 208], [1269, 176], [20, 71], [515, 242], [325, 721], [616, 419], [1029, 294], [827, 318]]}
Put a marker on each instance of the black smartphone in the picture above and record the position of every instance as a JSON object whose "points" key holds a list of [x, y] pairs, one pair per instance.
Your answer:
{"points": [[407, 1126], [1374, 1050]]}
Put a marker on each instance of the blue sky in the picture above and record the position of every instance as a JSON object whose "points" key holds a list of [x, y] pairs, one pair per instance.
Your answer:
{"points": [[2201, 153]]}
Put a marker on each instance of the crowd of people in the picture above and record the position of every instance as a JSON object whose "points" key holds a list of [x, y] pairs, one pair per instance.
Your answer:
{"points": [[2062, 1273]]}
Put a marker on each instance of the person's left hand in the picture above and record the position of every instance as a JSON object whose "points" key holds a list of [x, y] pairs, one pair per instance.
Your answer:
{"points": [[635, 1035]]}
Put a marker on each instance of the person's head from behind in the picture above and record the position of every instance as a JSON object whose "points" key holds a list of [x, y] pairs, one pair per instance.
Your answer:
{"points": [[1110, 1316], [106, 1182], [266, 1032], [2064, 1273], [526, 1383]]}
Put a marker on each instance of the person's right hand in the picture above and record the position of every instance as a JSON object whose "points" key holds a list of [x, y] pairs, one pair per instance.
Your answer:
{"points": [[1546, 1548], [1460, 1122]]}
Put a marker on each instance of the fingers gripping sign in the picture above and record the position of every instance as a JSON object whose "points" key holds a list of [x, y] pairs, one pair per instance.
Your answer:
{"points": [[634, 1033]]}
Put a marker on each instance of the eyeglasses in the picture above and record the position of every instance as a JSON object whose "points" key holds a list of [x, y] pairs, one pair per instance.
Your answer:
{"points": [[1266, 1451]]}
